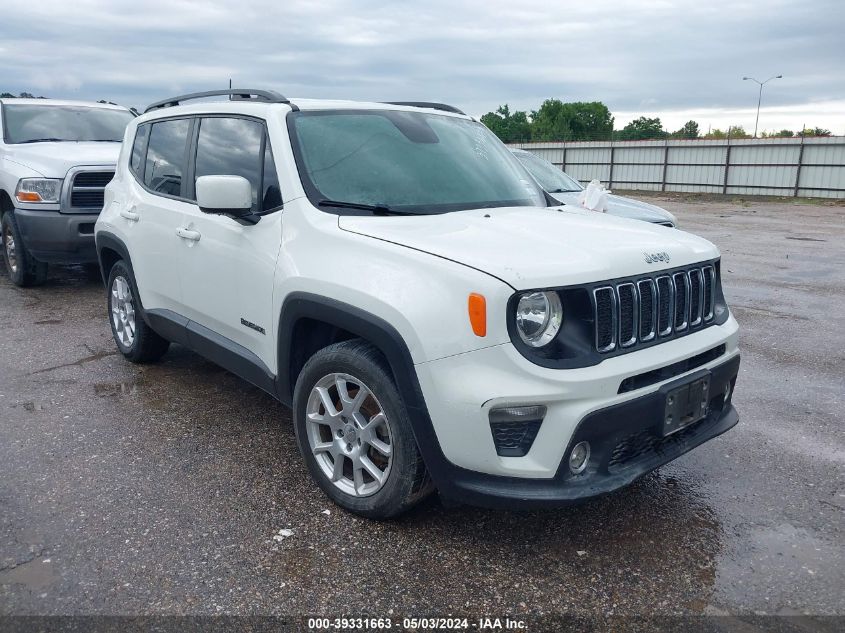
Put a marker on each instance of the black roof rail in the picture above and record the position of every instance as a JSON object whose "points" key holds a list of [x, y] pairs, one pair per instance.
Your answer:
{"points": [[268, 96], [433, 105]]}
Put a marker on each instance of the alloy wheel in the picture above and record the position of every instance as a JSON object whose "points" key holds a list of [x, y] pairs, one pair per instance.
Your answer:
{"points": [[123, 311], [349, 434]]}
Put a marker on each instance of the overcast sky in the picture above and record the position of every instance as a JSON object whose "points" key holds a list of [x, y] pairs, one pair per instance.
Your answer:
{"points": [[677, 59]]}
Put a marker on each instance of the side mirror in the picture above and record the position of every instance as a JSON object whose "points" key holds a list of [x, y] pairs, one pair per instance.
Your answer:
{"points": [[226, 195]]}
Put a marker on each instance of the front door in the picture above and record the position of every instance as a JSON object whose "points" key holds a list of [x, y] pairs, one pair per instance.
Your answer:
{"points": [[227, 268]]}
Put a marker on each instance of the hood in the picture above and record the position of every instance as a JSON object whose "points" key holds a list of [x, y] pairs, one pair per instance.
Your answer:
{"points": [[623, 207], [530, 247], [53, 160]]}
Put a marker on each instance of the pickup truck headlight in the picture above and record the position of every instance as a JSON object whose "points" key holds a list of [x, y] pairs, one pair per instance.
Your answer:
{"points": [[39, 190], [539, 316]]}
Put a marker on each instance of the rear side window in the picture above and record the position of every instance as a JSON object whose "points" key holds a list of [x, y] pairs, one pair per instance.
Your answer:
{"points": [[165, 164], [138, 149], [238, 147]]}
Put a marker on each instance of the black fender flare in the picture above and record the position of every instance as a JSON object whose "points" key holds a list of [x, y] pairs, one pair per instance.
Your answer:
{"points": [[105, 239], [303, 305]]}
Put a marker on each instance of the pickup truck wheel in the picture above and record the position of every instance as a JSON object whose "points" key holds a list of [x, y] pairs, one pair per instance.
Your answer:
{"points": [[134, 338], [355, 434], [23, 270]]}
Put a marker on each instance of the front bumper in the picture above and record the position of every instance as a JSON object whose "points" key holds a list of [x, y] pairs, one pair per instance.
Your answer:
{"points": [[57, 238], [625, 444], [607, 399]]}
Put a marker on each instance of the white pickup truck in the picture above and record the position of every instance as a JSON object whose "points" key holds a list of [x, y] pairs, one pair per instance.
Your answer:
{"points": [[56, 158]]}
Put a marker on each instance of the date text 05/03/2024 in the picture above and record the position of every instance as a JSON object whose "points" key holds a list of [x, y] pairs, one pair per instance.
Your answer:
{"points": [[418, 624]]}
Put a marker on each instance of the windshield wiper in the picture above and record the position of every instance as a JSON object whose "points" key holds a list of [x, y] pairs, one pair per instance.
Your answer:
{"points": [[43, 140], [564, 190], [380, 209]]}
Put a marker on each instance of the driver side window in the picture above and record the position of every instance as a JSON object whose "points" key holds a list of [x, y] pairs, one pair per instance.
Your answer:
{"points": [[239, 147]]}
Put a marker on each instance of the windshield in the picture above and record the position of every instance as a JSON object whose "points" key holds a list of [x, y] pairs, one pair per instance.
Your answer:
{"points": [[406, 162], [547, 175], [34, 123]]}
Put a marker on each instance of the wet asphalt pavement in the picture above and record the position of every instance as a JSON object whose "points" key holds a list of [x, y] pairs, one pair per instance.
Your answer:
{"points": [[158, 489]]}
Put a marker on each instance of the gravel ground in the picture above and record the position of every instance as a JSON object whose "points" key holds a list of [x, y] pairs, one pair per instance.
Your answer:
{"points": [[158, 489]]}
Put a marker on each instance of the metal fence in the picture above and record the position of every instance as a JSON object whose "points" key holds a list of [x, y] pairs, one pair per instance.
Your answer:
{"points": [[807, 167]]}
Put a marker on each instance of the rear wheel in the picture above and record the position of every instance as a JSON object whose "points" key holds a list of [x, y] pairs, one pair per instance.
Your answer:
{"points": [[355, 434], [134, 338], [22, 268]]}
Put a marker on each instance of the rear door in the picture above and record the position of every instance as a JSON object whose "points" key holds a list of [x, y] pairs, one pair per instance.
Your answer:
{"points": [[157, 209], [227, 268]]}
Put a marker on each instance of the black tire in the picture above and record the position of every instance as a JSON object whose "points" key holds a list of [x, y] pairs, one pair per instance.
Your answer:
{"points": [[406, 482], [23, 269], [146, 346]]}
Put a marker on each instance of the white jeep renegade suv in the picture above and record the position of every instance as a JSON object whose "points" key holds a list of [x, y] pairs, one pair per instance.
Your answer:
{"points": [[392, 273]]}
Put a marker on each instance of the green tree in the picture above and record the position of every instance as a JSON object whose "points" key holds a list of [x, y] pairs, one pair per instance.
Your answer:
{"points": [[589, 120], [781, 134], [509, 126], [549, 122], [737, 131], [734, 131], [576, 121], [23, 95], [642, 129], [688, 130], [816, 131]]}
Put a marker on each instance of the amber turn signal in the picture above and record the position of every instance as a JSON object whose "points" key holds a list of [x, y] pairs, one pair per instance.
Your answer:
{"points": [[28, 196], [477, 306]]}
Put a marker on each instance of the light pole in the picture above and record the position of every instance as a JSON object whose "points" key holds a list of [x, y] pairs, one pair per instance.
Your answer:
{"points": [[760, 96]]}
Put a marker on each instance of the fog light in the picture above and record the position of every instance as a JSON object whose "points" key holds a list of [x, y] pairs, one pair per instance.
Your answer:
{"points": [[579, 457], [515, 429]]}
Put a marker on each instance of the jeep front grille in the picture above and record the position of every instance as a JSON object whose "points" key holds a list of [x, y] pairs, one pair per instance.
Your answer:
{"points": [[87, 191], [606, 325], [638, 310]]}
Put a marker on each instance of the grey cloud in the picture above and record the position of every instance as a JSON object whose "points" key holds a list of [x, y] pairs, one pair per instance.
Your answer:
{"points": [[671, 55]]}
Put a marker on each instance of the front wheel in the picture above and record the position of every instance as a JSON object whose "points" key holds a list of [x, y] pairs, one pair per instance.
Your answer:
{"points": [[134, 338], [354, 432], [23, 270]]}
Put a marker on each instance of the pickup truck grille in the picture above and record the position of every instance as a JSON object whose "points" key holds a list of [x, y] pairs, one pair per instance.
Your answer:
{"points": [[638, 310], [86, 191]]}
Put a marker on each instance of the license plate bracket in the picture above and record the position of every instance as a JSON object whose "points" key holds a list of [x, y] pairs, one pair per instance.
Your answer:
{"points": [[686, 405]]}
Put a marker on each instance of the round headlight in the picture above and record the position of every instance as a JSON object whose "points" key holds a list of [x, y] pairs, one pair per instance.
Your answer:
{"points": [[538, 317]]}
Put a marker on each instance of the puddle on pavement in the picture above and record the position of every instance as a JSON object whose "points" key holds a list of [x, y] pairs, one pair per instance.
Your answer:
{"points": [[768, 560], [107, 389], [659, 534], [36, 574]]}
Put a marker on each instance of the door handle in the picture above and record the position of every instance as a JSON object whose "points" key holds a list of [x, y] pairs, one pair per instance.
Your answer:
{"points": [[129, 215], [188, 234]]}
